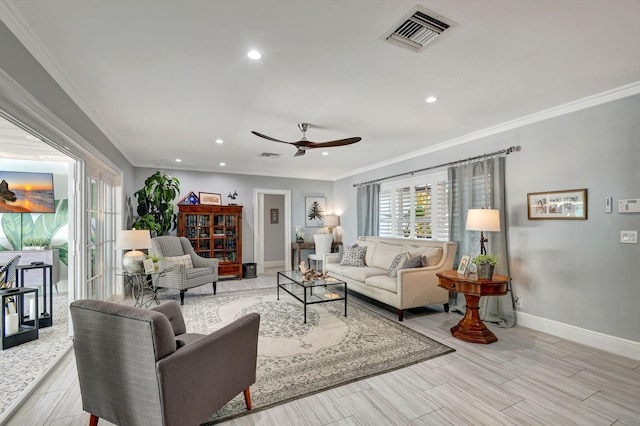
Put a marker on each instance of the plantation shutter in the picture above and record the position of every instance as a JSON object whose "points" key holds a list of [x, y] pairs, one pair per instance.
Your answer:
{"points": [[403, 212], [442, 209], [385, 216], [422, 211]]}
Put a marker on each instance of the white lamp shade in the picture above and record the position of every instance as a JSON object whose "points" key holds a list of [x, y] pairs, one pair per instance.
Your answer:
{"points": [[483, 220], [331, 220], [133, 239]]}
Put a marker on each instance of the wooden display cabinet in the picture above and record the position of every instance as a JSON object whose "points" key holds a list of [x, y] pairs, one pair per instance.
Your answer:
{"points": [[214, 232]]}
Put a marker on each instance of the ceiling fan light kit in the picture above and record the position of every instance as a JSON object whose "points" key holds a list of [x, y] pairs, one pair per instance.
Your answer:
{"points": [[304, 144]]}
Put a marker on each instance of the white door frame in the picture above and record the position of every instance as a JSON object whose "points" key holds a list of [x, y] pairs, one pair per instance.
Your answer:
{"points": [[258, 225]]}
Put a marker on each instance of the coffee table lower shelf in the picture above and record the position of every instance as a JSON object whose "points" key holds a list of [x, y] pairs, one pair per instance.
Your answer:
{"points": [[303, 291]]}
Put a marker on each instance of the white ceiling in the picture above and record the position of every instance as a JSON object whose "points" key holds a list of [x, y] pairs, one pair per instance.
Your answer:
{"points": [[164, 79]]}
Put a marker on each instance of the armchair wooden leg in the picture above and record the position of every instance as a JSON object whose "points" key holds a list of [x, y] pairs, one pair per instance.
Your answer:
{"points": [[400, 315], [93, 420], [215, 286], [182, 297], [446, 307], [247, 398]]}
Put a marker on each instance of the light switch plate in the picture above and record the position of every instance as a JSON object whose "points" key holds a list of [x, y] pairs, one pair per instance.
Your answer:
{"points": [[608, 204], [629, 237]]}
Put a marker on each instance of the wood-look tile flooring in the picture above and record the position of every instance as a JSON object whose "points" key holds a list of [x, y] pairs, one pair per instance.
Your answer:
{"points": [[526, 378]]}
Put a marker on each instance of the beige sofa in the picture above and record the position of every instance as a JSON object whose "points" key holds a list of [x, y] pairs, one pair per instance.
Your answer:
{"points": [[411, 288]]}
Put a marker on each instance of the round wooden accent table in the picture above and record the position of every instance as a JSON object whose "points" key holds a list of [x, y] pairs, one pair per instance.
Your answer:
{"points": [[471, 328]]}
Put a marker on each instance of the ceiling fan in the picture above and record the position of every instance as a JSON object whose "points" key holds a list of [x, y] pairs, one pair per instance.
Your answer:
{"points": [[303, 144]]}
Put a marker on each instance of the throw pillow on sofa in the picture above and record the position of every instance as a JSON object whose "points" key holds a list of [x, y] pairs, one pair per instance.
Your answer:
{"points": [[397, 263], [353, 256], [415, 262]]}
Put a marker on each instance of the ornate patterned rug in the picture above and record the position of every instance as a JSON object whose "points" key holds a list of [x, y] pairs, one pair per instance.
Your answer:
{"points": [[297, 359]]}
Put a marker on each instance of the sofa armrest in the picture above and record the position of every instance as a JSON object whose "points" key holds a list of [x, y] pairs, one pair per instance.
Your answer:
{"points": [[201, 377], [203, 262], [421, 284], [329, 258]]}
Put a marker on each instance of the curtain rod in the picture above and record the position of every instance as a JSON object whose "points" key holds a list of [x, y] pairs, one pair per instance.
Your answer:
{"points": [[506, 151]]}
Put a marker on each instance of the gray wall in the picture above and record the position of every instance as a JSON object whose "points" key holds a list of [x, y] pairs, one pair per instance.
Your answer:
{"points": [[572, 272], [223, 183], [273, 232]]}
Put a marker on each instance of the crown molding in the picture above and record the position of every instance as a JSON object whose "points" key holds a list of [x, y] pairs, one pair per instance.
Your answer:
{"points": [[568, 108]]}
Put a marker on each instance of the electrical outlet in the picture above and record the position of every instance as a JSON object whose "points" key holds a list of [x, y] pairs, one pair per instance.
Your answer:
{"points": [[517, 300]]}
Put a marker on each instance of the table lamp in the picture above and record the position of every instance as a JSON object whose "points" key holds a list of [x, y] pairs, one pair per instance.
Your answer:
{"points": [[483, 220], [132, 240]]}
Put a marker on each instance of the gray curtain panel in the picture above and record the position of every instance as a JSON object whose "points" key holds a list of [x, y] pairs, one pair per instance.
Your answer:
{"points": [[473, 186], [367, 204]]}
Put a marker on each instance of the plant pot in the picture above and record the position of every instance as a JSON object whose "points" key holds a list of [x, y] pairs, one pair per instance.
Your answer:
{"points": [[485, 271]]}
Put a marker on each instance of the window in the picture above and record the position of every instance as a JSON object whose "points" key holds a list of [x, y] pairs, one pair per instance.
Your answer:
{"points": [[416, 208]]}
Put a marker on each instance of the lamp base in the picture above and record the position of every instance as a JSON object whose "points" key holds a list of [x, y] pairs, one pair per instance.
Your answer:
{"points": [[132, 261]]}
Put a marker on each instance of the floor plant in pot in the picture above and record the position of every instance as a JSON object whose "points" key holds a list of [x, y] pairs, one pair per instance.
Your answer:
{"points": [[156, 211], [485, 264]]}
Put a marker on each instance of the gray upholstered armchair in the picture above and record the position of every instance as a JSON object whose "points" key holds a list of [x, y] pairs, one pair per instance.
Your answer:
{"points": [[140, 367], [204, 271]]}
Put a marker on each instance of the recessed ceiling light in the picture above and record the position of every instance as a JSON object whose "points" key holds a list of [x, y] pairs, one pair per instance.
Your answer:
{"points": [[222, 164], [219, 141], [254, 54], [325, 153], [178, 160], [431, 99]]}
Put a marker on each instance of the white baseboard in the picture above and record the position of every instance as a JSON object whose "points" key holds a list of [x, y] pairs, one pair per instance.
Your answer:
{"points": [[616, 345], [273, 263]]}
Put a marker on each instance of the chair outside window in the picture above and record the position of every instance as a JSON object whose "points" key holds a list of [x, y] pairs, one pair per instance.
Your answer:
{"points": [[323, 244]]}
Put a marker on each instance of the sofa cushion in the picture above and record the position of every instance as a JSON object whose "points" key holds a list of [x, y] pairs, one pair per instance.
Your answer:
{"points": [[433, 254], [384, 282], [415, 262], [362, 273], [371, 251], [397, 263], [181, 260], [384, 255], [353, 256]]}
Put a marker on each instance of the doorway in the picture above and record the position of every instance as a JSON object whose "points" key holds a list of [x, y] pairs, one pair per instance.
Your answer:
{"points": [[260, 224]]}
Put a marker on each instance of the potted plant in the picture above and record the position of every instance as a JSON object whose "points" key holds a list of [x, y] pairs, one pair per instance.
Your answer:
{"points": [[155, 258], [35, 243], [485, 264], [156, 211]]}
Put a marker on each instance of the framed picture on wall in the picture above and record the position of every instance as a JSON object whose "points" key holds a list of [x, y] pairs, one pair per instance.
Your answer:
{"points": [[315, 209], [210, 198], [274, 215], [560, 205]]}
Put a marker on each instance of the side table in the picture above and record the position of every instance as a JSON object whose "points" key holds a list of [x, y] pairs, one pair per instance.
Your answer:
{"points": [[44, 318], [471, 328], [139, 282], [25, 330]]}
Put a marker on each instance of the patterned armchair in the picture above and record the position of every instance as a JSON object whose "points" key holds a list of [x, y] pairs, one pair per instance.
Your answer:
{"points": [[183, 276], [8, 272]]}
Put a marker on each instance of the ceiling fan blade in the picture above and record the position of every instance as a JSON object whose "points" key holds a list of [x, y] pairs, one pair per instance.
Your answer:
{"points": [[299, 152], [339, 142], [269, 137]]}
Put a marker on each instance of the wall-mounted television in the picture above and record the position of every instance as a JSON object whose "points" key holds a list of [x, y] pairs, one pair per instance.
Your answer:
{"points": [[26, 192]]}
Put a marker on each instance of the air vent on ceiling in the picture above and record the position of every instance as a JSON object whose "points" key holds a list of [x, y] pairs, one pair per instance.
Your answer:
{"points": [[269, 155], [417, 29]]}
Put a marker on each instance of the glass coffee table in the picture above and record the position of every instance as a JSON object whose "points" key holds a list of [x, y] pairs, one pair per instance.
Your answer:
{"points": [[319, 290]]}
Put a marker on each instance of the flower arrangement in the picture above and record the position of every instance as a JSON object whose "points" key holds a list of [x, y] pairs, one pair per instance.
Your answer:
{"points": [[299, 234]]}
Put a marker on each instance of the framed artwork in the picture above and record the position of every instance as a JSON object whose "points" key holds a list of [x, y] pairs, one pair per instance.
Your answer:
{"points": [[210, 198], [190, 199], [274, 215], [560, 205], [314, 211], [463, 268]]}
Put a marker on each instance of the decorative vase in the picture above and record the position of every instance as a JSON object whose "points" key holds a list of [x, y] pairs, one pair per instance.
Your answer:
{"points": [[485, 271], [300, 240]]}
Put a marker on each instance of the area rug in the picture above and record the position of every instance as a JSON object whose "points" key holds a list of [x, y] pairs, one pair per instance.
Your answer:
{"points": [[23, 366], [297, 359]]}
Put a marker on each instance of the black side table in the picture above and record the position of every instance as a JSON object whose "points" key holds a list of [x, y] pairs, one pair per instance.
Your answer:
{"points": [[25, 332], [45, 318]]}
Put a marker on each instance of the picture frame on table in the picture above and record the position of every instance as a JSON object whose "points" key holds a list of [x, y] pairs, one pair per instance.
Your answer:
{"points": [[463, 267], [210, 198], [557, 205], [148, 266]]}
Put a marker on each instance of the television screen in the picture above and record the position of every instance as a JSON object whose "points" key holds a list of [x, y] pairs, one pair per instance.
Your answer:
{"points": [[22, 192]]}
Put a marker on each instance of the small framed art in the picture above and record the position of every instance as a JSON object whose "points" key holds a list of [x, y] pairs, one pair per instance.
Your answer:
{"points": [[274, 215], [210, 198], [560, 205], [149, 267], [463, 268]]}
